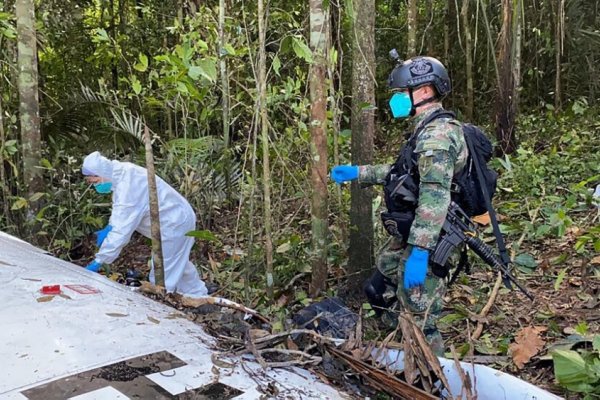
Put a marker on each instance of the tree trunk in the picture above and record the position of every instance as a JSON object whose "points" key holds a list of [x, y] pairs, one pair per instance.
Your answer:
{"points": [[3, 180], [558, 42], [157, 255], [505, 106], [447, 23], [319, 35], [336, 89], [29, 112], [363, 127], [468, 59], [225, 94], [518, 38], [411, 20], [264, 128]]}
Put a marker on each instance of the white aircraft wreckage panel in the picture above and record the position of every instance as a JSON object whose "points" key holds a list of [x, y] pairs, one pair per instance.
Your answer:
{"points": [[98, 339]]}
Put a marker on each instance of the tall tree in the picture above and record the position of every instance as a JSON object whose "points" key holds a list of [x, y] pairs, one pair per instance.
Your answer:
{"points": [[29, 112], [225, 89], [363, 129], [559, 34], [264, 137], [157, 253], [468, 58], [411, 20], [319, 35], [506, 107]]}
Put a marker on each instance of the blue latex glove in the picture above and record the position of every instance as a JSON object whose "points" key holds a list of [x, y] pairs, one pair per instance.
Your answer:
{"points": [[415, 268], [94, 266], [343, 173], [101, 235]]}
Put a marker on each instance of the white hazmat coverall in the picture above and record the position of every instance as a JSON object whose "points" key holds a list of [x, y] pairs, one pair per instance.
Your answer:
{"points": [[131, 212]]}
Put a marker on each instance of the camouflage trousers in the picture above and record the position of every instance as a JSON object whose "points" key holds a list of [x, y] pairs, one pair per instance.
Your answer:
{"points": [[426, 302]]}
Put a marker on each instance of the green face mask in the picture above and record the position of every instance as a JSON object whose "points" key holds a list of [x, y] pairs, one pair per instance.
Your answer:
{"points": [[103, 188]]}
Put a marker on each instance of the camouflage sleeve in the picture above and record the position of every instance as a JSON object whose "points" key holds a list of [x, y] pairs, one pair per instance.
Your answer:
{"points": [[373, 174], [437, 157]]}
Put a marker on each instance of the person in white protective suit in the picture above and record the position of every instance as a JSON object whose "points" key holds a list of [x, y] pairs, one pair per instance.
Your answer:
{"points": [[131, 212]]}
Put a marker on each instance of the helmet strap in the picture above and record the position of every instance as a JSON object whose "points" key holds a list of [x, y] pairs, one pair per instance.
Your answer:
{"points": [[422, 102]]}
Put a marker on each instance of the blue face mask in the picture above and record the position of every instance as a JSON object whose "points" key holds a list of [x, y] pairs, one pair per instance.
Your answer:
{"points": [[103, 188], [401, 105]]}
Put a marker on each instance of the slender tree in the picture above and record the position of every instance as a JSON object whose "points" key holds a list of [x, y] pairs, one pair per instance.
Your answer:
{"points": [[505, 106], [29, 112], [363, 129], [559, 33], [468, 58], [157, 255], [411, 20], [261, 82], [319, 35], [225, 91]]}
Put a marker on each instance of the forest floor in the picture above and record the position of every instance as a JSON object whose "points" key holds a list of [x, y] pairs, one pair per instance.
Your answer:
{"points": [[564, 314]]}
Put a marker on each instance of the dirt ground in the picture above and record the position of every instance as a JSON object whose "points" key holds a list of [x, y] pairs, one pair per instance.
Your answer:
{"points": [[565, 310]]}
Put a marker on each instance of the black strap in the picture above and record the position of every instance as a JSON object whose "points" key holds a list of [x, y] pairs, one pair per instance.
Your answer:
{"points": [[488, 205], [441, 113]]}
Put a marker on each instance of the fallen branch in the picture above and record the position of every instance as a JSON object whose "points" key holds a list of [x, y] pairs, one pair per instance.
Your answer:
{"points": [[467, 385], [381, 380], [486, 309], [309, 359], [219, 301]]}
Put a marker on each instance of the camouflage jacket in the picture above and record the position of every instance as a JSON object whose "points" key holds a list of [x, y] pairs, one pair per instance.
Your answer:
{"points": [[442, 153]]}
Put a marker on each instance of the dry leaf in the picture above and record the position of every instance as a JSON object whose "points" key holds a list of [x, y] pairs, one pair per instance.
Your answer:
{"points": [[147, 287], [174, 315], [595, 260], [114, 314], [32, 279], [44, 299], [65, 296], [154, 320], [257, 334], [483, 219], [527, 344]]}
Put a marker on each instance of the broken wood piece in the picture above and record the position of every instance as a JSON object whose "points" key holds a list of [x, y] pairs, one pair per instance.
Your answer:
{"points": [[467, 386], [484, 311], [380, 380], [219, 301]]}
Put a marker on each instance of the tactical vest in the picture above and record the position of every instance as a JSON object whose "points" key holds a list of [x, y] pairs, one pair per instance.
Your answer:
{"points": [[401, 187]]}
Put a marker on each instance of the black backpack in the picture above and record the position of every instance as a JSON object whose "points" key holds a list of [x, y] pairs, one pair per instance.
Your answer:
{"points": [[467, 189]]}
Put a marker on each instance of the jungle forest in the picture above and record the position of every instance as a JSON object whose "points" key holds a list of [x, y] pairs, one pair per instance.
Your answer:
{"points": [[245, 106]]}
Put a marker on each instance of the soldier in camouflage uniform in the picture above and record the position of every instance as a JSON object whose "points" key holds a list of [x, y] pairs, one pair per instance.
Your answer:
{"points": [[418, 85]]}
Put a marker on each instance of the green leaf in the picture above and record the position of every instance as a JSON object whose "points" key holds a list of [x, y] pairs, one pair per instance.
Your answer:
{"points": [[229, 49], [36, 196], [136, 85], [596, 343], [205, 68], [101, 35], [276, 64], [302, 50], [142, 66], [569, 367], [203, 235], [19, 204], [525, 262], [560, 278], [283, 248]]}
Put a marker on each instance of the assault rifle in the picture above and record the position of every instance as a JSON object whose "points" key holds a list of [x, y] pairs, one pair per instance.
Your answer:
{"points": [[459, 228]]}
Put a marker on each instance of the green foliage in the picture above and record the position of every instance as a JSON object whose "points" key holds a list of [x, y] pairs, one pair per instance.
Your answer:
{"points": [[552, 172], [579, 371]]}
